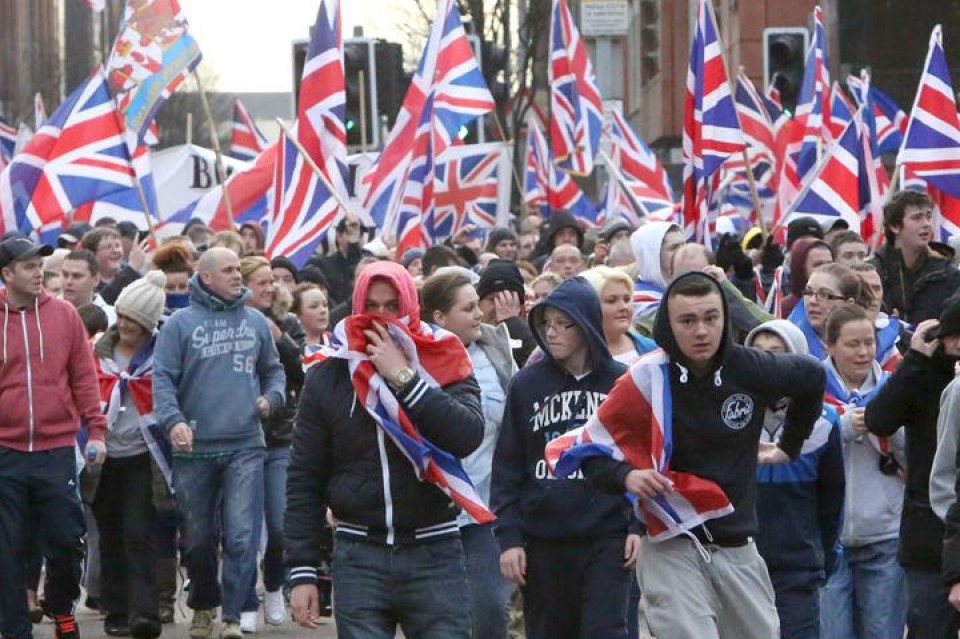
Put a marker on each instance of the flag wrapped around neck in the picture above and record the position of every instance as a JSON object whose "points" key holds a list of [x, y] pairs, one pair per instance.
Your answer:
{"points": [[634, 425], [137, 378], [837, 395], [439, 358]]}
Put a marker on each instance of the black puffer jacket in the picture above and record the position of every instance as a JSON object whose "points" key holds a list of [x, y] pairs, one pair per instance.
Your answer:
{"points": [[341, 459], [927, 287], [911, 398], [278, 428]]}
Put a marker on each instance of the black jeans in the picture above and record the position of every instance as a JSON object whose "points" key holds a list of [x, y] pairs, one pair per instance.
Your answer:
{"points": [[126, 516], [39, 487], [576, 589]]}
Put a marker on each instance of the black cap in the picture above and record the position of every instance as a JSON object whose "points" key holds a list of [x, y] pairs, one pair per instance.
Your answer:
{"points": [[803, 227], [500, 275], [21, 248]]}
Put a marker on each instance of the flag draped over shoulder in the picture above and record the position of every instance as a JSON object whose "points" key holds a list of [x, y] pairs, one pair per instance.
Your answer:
{"points": [[711, 131], [305, 210], [634, 425], [150, 59], [440, 359], [446, 92], [576, 108], [80, 154]]}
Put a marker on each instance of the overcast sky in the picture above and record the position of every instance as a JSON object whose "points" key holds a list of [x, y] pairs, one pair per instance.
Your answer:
{"points": [[247, 43]]}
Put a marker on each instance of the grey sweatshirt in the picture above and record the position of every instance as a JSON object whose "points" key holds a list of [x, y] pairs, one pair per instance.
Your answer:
{"points": [[212, 361]]}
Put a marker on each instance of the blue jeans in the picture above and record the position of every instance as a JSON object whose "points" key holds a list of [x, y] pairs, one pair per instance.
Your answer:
{"points": [[234, 483], [420, 587], [798, 602], [274, 505], [929, 614], [489, 591], [865, 598]]}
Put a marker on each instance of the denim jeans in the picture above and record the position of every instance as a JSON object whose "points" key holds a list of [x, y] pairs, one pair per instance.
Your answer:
{"points": [[39, 487], [274, 504], [234, 483], [865, 598], [489, 591], [929, 613], [798, 602], [420, 587]]}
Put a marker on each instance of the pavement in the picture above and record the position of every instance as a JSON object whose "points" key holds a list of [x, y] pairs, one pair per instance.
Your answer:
{"points": [[91, 627]]}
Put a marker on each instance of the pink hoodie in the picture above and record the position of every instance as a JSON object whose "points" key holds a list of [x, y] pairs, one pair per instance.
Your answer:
{"points": [[47, 377]]}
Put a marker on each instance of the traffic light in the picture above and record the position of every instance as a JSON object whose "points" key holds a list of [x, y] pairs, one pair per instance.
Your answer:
{"points": [[493, 64], [360, 81], [784, 50], [391, 82]]}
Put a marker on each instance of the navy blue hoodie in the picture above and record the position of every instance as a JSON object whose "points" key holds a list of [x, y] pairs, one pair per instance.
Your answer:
{"points": [[545, 401]]}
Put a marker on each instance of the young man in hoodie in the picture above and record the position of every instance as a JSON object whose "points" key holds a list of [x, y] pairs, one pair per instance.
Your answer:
{"points": [[562, 539], [711, 582], [397, 560], [216, 375], [799, 504], [47, 384]]}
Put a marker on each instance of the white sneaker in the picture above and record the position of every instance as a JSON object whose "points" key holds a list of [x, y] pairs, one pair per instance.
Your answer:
{"points": [[274, 608], [248, 622]]}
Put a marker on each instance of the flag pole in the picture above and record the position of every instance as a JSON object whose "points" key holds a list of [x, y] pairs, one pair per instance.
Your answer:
{"points": [[215, 142], [618, 176], [513, 167], [189, 127], [313, 165]]}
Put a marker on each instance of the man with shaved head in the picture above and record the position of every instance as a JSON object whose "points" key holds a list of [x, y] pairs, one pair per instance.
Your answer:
{"points": [[566, 260], [216, 375]]}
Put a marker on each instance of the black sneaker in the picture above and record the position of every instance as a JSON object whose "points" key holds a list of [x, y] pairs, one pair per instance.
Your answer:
{"points": [[145, 627], [65, 627], [116, 626]]}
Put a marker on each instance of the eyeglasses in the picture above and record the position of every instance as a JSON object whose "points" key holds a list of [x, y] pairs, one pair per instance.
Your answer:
{"points": [[559, 327], [823, 295]]}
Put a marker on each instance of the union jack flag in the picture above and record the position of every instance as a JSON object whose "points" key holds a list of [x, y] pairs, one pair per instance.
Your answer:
{"points": [[813, 104], [879, 181], [841, 111], [891, 121], [635, 425], [711, 131], [127, 204], [931, 145], [304, 209], [151, 57], [838, 187], [8, 139], [547, 188], [641, 171], [576, 107], [249, 191], [246, 140], [79, 155], [467, 190], [447, 91]]}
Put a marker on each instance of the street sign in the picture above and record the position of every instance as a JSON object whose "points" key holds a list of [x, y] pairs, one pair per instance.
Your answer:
{"points": [[604, 18]]}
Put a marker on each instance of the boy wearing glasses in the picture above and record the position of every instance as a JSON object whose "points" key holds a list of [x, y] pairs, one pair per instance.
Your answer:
{"points": [[561, 539]]}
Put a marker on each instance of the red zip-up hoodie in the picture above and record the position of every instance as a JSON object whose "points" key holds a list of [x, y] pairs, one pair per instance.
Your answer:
{"points": [[47, 376]]}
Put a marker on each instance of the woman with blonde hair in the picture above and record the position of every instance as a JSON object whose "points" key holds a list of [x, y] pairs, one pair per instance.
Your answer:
{"points": [[615, 289]]}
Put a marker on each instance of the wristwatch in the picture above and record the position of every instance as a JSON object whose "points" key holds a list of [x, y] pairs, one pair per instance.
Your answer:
{"points": [[402, 377]]}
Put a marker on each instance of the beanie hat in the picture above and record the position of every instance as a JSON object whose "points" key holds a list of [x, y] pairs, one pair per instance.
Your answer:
{"points": [[804, 226], [500, 275], [613, 226], [950, 318], [143, 300], [284, 262], [410, 255]]}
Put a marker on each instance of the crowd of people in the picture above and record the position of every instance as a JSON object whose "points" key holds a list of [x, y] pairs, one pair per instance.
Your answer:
{"points": [[367, 436]]}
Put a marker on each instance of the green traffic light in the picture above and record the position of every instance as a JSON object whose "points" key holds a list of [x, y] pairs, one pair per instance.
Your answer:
{"points": [[463, 133], [351, 125]]}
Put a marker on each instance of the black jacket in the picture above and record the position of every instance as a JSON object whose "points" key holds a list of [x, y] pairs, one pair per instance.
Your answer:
{"points": [[911, 398], [340, 458], [278, 428], [544, 401], [717, 418], [927, 287], [110, 292], [339, 271]]}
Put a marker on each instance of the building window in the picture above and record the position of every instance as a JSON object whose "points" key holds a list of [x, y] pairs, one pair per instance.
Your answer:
{"points": [[649, 35]]}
